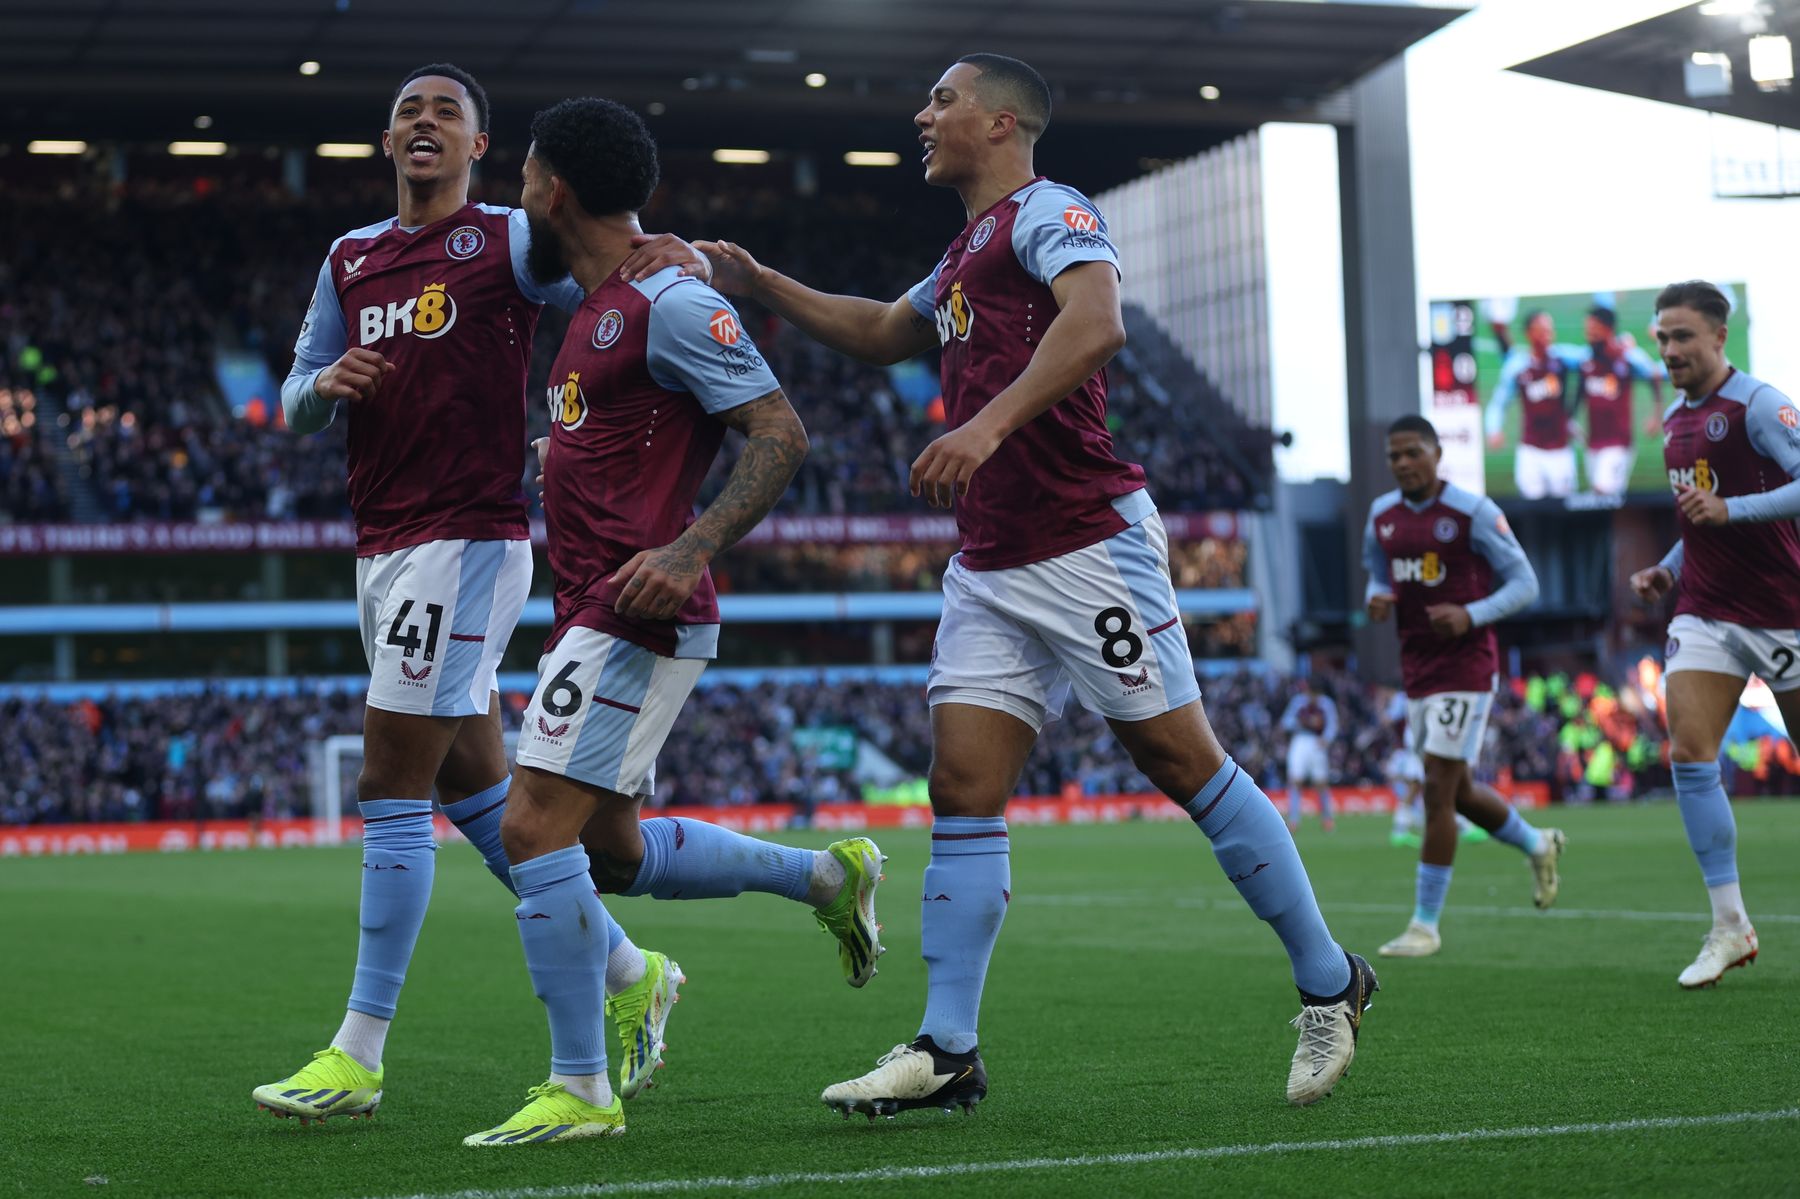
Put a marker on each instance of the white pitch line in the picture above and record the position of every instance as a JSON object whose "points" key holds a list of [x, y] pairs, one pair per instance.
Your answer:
{"points": [[757, 1182], [1332, 905]]}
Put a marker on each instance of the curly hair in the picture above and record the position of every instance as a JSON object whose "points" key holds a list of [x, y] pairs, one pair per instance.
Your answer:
{"points": [[601, 150]]}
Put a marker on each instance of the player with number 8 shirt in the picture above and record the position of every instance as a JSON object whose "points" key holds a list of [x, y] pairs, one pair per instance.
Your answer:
{"points": [[1062, 582], [1432, 551], [1731, 444]]}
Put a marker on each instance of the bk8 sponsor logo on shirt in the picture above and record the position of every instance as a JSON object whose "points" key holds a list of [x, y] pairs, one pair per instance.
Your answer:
{"points": [[955, 316], [568, 404], [1428, 570], [1699, 476], [428, 315]]}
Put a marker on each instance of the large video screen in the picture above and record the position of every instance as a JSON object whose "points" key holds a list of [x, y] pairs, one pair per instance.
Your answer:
{"points": [[1558, 398]]}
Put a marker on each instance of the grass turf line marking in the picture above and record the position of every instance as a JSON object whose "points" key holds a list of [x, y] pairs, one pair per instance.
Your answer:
{"points": [[1139, 900], [756, 1182]]}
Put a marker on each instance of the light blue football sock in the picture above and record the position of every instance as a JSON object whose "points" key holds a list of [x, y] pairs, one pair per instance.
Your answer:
{"points": [[1327, 812], [478, 817], [1432, 886], [564, 928], [399, 860], [1294, 804], [1706, 813], [691, 859], [1257, 853], [968, 885], [1519, 834]]}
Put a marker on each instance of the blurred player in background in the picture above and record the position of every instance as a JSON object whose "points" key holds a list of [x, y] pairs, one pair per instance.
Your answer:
{"points": [[1538, 373], [1311, 722], [1432, 551], [422, 322], [1609, 376], [1062, 579], [1731, 444], [1405, 773], [650, 376]]}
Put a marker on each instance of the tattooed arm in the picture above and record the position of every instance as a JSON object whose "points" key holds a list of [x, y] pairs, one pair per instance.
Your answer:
{"points": [[657, 582]]}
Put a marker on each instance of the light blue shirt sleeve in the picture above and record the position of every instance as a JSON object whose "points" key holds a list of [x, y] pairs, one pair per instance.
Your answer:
{"points": [[1572, 357], [1375, 561], [1505, 388], [924, 293], [1773, 424], [1493, 539], [1675, 559], [1056, 228], [697, 344], [1331, 717], [1290, 716], [1643, 366], [565, 293], [322, 341]]}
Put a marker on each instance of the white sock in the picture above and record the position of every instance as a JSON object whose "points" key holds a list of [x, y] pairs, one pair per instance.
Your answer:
{"points": [[1728, 906], [592, 1087], [624, 967], [363, 1037], [827, 879]]}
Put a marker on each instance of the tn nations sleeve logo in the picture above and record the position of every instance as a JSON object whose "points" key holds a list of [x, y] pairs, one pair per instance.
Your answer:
{"points": [[723, 326], [1080, 219]]}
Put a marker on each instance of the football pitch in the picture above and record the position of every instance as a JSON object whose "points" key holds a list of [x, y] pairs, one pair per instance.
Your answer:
{"points": [[1134, 1030]]}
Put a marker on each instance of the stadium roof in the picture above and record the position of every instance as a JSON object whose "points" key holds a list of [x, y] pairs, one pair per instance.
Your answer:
{"points": [[722, 69], [1648, 59]]}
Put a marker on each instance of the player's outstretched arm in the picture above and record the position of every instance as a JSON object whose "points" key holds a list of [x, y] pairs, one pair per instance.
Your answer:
{"points": [[1494, 540], [1087, 332], [868, 330], [1773, 423], [657, 582]]}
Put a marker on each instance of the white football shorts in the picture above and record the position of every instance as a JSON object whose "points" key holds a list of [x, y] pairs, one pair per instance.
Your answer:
{"points": [[1101, 619], [1449, 724], [1720, 647], [603, 708], [435, 621]]}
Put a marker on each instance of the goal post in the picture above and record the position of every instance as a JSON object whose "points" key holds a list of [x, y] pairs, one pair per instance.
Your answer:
{"points": [[335, 762]]}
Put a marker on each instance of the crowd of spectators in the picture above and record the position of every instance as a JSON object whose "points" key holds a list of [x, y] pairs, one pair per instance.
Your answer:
{"points": [[212, 754], [115, 299]]}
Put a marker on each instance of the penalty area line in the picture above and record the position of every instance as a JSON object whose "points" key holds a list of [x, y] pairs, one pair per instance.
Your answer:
{"points": [[757, 1182]]}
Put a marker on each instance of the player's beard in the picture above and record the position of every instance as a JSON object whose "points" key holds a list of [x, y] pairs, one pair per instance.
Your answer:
{"points": [[545, 259]]}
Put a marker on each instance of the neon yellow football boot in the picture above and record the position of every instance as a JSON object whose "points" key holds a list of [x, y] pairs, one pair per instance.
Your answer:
{"points": [[640, 1013], [552, 1114], [851, 916], [332, 1084]]}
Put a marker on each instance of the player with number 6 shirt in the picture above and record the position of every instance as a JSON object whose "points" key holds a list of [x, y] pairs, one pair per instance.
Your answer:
{"points": [[1433, 551], [1731, 444], [1062, 582]]}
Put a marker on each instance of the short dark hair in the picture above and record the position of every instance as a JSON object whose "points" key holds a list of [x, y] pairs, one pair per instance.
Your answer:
{"points": [[477, 93], [1013, 85], [1604, 315], [1699, 295], [1412, 422], [1531, 317], [602, 150]]}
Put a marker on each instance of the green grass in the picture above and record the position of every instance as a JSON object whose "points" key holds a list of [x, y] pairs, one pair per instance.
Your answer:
{"points": [[1134, 1006]]}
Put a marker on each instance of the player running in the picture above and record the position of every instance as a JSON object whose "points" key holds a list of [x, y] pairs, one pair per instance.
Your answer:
{"points": [[1609, 376], [1062, 580], [1432, 551], [650, 376], [423, 323], [1732, 447], [1543, 461], [1311, 722]]}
